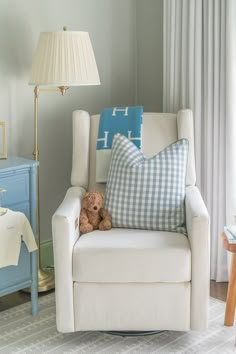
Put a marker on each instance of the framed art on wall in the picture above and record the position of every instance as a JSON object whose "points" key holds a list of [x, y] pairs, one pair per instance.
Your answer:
{"points": [[3, 142]]}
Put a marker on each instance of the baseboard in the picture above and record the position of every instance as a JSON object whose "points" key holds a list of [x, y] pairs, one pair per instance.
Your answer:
{"points": [[46, 251]]}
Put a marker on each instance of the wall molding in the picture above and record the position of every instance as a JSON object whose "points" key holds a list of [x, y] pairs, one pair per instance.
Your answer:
{"points": [[46, 251]]}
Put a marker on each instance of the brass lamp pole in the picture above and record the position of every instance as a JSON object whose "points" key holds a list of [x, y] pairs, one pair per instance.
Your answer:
{"points": [[45, 279], [62, 59]]}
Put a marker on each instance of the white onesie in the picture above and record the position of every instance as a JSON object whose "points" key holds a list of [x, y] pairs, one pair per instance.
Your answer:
{"points": [[14, 227]]}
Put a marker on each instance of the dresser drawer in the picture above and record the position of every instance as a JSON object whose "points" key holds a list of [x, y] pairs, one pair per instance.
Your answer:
{"points": [[17, 188], [18, 176], [13, 275]]}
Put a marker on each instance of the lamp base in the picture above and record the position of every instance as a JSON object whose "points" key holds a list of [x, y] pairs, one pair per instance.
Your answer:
{"points": [[45, 281]]}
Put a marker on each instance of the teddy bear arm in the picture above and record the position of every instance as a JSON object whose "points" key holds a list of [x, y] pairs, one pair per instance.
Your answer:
{"points": [[104, 214], [83, 217], [84, 226], [105, 224]]}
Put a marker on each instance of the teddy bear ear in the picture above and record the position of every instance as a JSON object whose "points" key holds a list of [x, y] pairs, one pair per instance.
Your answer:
{"points": [[86, 194]]}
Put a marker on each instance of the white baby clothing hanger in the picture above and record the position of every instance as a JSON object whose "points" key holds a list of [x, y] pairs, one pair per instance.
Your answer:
{"points": [[14, 228]]}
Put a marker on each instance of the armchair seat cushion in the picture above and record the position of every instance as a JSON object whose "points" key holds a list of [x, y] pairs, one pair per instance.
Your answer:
{"points": [[130, 255]]}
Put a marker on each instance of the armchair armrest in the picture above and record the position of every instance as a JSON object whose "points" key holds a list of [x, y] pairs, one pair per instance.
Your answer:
{"points": [[198, 229], [65, 232]]}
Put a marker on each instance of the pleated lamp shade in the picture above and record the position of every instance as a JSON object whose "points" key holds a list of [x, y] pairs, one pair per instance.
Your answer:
{"points": [[64, 58]]}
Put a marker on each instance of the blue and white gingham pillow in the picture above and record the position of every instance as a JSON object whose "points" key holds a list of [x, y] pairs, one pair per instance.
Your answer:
{"points": [[147, 193]]}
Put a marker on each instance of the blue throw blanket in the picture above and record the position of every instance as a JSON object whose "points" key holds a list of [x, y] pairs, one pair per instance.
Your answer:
{"points": [[124, 120]]}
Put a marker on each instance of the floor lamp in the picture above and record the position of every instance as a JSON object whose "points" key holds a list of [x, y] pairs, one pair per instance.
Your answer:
{"points": [[61, 60]]}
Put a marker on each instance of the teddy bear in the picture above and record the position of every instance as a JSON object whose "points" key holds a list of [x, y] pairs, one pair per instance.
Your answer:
{"points": [[93, 216]]}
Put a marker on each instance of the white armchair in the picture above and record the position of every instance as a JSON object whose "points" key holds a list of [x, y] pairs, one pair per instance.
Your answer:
{"points": [[126, 279]]}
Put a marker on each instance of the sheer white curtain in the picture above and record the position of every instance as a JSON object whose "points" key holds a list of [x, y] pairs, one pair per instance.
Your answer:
{"points": [[199, 73]]}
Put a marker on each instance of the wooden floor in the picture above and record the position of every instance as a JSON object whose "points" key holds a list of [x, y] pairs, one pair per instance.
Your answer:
{"points": [[217, 290]]}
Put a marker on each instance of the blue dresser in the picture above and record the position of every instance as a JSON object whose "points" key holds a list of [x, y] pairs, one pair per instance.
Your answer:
{"points": [[19, 177]]}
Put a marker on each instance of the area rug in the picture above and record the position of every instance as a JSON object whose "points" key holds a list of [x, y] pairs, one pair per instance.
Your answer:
{"points": [[21, 333]]}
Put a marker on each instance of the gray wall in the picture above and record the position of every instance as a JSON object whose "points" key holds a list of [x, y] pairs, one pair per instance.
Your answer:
{"points": [[128, 51], [149, 75]]}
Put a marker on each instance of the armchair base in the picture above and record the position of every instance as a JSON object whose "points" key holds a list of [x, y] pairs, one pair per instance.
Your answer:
{"points": [[132, 306], [132, 333]]}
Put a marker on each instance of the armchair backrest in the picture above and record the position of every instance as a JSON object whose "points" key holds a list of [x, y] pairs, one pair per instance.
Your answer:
{"points": [[159, 130]]}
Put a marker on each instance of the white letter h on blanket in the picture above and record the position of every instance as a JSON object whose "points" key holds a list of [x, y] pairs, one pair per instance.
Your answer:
{"points": [[104, 139], [115, 109]]}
